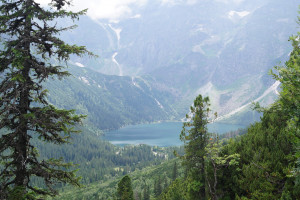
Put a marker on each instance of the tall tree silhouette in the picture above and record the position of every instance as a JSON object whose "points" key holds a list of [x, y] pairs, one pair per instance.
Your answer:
{"points": [[30, 45], [195, 137]]}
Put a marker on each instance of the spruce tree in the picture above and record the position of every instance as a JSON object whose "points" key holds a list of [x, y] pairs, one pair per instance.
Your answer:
{"points": [[125, 191], [146, 193], [29, 47], [174, 172], [157, 186], [195, 138]]}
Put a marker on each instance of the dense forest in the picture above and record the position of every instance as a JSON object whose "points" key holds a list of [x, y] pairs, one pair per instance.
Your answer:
{"points": [[262, 162], [99, 160], [37, 159]]}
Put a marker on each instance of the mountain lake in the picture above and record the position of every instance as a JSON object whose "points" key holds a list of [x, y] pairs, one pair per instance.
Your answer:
{"points": [[159, 134]]}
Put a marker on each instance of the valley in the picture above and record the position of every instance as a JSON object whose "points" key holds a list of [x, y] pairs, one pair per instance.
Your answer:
{"points": [[160, 100]]}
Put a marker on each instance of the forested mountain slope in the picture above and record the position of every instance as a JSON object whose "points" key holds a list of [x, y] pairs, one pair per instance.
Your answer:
{"points": [[111, 102], [99, 160], [147, 183]]}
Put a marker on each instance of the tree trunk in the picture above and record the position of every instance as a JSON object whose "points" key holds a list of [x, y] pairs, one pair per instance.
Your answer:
{"points": [[21, 150]]}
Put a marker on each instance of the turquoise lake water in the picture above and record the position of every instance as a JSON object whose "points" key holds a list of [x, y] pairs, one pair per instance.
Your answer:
{"points": [[159, 134]]}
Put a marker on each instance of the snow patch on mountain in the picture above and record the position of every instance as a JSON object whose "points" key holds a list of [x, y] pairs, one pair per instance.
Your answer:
{"points": [[200, 28], [79, 64], [241, 14], [134, 83], [113, 58], [158, 103], [117, 31], [84, 79]]}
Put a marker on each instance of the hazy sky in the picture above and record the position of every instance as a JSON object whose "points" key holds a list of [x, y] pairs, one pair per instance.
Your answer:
{"points": [[104, 9], [116, 9]]}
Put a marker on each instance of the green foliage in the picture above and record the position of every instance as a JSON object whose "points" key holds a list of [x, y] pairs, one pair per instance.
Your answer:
{"points": [[176, 191], [28, 43], [215, 163], [146, 193], [142, 183], [266, 156], [175, 171], [157, 186], [289, 101], [109, 101], [195, 137], [261, 164], [17, 193], [270, 149], [99, 160], [125, 191]]}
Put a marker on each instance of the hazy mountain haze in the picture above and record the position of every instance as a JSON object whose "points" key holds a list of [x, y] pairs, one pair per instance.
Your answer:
{"points": [[220, 48]]}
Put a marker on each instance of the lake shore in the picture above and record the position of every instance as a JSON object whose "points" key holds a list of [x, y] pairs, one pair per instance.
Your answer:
{"points": [[159, 133]]}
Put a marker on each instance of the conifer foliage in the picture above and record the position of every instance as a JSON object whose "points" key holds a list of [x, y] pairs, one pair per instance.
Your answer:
{"points": [[125, 191], [195, 137], [29, 46]]}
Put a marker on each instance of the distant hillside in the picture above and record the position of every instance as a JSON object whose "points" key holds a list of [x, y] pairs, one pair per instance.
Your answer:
{"points": [[110, 101], [141, 180]]}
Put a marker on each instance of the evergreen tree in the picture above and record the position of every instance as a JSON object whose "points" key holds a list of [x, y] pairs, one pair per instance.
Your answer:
{"points": [[176, 191], [157, 186], [270, 149], [175, 171], [30, 44], [289, 101], [146, 193], [166, 184], [195, 137], [289, 104], [137, 195], [125, 191], [215, 164]]}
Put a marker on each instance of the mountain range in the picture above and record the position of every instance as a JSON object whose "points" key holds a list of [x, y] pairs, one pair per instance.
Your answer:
{"points": [[153, 63]]}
